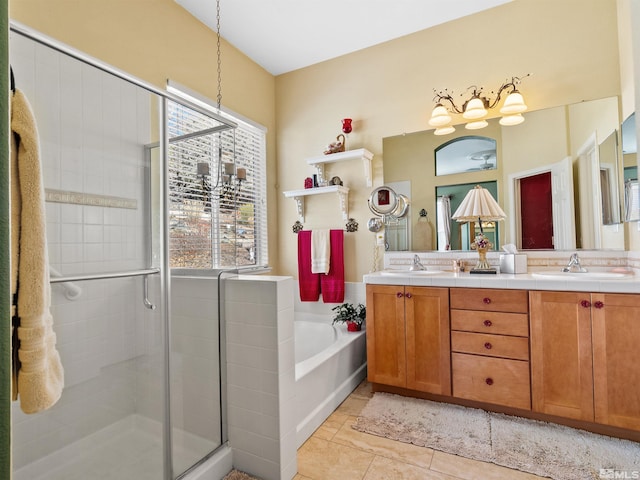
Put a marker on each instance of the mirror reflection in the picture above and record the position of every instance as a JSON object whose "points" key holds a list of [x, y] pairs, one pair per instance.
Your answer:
{"points": [[630, 166], [563, 160], [466, 154]]}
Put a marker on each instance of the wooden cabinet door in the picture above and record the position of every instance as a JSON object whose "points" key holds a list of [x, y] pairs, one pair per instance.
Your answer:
{"points": [[386, 355], [427, 339], [616, 342], [561, 354]]}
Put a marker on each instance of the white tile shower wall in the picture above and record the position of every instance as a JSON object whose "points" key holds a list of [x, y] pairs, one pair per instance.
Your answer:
{"points": [[92, 131], [261, 375]]}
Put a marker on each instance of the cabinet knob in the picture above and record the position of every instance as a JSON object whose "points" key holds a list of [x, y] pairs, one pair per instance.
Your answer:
{"points": [[408, 295], [399, 294], [486, 300], [585, 304], [489, 381], [598, 304], [487, 323], [488, 346]]}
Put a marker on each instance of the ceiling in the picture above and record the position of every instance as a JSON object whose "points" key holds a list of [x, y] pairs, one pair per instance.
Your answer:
{"points": [[285, 35]]}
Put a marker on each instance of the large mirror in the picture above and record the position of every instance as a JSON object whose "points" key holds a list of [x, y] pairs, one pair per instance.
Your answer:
{"points": [[630, 164], [570, 152]]}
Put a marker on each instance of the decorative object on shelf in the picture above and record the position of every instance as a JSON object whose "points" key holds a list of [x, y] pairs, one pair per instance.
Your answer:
{"points": [[308, 182], [337, 146], [353, 316], [352, 225], [335, 181], [346, 125], [478, 205], [297, 226], [475, 108]]}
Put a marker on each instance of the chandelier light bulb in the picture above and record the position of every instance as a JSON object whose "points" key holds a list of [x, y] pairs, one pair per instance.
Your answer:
{"points": [[439, 117], [514, 103]]}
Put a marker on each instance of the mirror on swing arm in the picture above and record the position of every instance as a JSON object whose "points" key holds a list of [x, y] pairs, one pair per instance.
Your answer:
{"points": [[390, 209]]}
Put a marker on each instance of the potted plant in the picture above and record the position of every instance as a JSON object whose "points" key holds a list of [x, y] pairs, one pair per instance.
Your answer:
{"points": [[353, 316]]}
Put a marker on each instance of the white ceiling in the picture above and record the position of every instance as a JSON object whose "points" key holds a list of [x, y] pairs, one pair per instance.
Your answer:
{"points": [[284, 35]]}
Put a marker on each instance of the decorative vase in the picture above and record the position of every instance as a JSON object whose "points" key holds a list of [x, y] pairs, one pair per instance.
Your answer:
{"points": [[482, 245], [353, 327], [346, 125]]}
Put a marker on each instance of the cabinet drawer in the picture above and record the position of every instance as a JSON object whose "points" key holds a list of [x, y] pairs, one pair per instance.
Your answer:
{"points": [[492, 345], [492, 380], [498, 323], [489, 299]]}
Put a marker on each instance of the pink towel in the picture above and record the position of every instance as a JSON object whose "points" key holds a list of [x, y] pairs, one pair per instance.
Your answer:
{"points": [[332, 284], [309, 282]]}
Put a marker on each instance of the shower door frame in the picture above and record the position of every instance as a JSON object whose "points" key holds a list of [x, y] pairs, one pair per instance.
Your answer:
{"points": [[164, 269]]}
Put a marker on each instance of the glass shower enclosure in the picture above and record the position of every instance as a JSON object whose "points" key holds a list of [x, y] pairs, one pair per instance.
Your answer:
{"points": [[142, 360]]}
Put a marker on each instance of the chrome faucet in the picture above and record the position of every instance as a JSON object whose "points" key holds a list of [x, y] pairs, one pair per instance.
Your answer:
{"points": [[417, 265], [574, 265]]}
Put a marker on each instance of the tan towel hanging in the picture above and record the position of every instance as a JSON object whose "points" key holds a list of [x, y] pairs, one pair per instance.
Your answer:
{"points": [[38, 371]]}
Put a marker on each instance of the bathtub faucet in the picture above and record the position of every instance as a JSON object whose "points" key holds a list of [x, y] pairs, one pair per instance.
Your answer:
{"points": [[416, 264], [574, 265]]}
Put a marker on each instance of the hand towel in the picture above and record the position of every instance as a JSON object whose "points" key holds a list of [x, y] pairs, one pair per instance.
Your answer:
{"points": [[308, 282], [40, 378], [320, 251], [332, 284]]}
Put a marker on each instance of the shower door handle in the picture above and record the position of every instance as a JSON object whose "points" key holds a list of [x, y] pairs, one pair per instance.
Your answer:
{"points": [[146, 301]]}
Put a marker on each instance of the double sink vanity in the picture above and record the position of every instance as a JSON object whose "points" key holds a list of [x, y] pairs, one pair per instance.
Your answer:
{"points": [[550, 345]]}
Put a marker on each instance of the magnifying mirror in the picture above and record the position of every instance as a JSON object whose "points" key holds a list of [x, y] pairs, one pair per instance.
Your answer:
{"points": [[383, 201]]}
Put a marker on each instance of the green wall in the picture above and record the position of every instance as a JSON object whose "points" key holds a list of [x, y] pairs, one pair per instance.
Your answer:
{"points": [[5, 319]]}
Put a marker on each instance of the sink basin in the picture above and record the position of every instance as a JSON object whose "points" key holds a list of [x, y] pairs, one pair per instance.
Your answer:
{"points": [[558, 275], [410, 272]]}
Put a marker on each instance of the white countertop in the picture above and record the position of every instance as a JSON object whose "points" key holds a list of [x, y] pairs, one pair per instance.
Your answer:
{"points": [[526, 281]]}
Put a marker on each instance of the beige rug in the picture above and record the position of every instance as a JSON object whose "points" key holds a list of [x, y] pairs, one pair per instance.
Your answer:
{"points": [[238, 475], [541, 448]]}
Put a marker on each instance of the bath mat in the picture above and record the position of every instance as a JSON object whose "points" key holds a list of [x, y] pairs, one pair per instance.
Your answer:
{"points": [[238, 475], [532, 446]]}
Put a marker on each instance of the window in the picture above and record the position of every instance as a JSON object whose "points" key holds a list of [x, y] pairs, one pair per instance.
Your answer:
{"points": [[216, 219]]}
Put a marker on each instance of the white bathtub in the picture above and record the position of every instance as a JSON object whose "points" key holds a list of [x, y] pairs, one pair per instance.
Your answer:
{"points": [[330, 363]]}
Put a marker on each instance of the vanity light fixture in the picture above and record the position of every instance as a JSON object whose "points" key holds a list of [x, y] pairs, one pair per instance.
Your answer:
{"points": [[477, 107]]}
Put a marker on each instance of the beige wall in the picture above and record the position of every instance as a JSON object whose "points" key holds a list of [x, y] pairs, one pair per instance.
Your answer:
{"points": [[569, 47], [156, 40], [387, 89]]}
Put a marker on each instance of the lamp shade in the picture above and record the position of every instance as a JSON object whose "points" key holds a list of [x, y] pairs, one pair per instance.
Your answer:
{"points": [[510, 120], [439, 116], [514, 103], [444, 130], [477, 125], [474, 109], [478, 204]]}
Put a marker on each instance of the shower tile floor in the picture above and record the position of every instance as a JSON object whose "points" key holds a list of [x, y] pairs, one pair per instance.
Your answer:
{"points": [[336, 451], [129, 449]]}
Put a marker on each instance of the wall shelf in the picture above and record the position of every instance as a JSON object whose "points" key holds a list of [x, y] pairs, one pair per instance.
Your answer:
{"points": [[299, 195], [359, 154]]}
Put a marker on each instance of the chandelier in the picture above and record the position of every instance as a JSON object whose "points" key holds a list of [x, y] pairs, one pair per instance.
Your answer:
{"points": [[475, 108]]}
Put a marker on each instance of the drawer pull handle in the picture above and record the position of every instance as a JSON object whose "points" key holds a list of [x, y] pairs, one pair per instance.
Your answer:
{"points": [[598, 304], [399, 294], [408, 295], [488, 346], [487, 323], [489, 381], [486, 300], [585, 304]]}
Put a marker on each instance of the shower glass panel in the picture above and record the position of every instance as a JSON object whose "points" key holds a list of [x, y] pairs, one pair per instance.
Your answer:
{"points": [[93, 127]]}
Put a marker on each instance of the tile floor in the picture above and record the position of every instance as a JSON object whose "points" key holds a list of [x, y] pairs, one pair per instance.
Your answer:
{"points": [[336, 451]]}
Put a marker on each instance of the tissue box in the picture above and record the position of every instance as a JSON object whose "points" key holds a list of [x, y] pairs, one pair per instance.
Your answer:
{"points": [[513, 263]]}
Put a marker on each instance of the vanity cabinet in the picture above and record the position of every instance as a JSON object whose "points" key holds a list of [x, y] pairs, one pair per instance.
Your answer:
{"points": [[583, 351], [408, 337], [490, 346]]}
